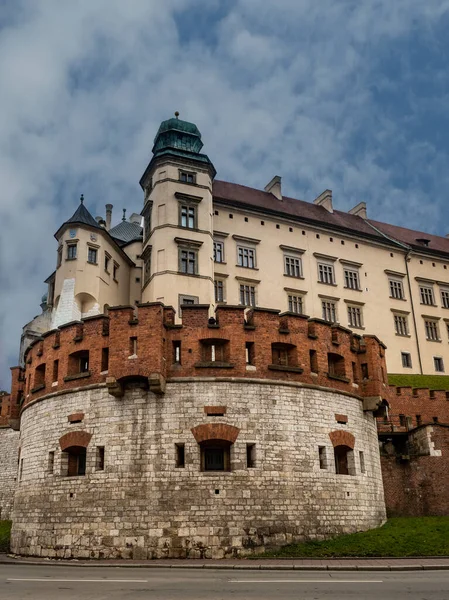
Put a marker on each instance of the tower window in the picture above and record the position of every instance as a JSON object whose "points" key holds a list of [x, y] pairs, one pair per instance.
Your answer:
{"points": [[92, 255], [188, 216], [71, 251], [250, 456], [187, 177], [180, 456], [188, 262], [76, 461]]}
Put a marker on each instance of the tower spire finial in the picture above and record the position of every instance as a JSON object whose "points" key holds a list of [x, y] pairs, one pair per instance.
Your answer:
{"points": [[82, 198], [124, 215], [177, 113]]}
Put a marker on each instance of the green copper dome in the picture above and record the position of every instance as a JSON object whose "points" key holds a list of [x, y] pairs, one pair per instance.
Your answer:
{"points": [[179, 135]]}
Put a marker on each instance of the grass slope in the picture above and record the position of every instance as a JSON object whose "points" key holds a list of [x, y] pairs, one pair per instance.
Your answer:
{"points": [[402, 536], [434, 382], [5, 530]]}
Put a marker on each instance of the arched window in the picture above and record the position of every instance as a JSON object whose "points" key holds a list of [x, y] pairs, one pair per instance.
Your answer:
{"points": [[75, 459], [342, 455]]}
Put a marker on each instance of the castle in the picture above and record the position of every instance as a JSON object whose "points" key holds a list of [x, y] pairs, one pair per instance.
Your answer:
{"points": [[175, 399]]}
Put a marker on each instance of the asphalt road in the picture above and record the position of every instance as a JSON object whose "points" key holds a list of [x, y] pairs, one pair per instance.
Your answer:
{"points": [[97, 583]]}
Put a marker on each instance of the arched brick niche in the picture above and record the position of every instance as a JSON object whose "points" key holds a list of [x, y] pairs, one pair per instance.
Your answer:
{"points": [[342, 438], [75, 438], [215, 431]]}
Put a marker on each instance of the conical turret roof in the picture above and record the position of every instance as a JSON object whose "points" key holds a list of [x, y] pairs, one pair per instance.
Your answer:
{"points": [[81, 216]]}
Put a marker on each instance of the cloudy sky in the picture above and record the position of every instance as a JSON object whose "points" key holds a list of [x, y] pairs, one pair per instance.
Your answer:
{"points": [[346, 94]]}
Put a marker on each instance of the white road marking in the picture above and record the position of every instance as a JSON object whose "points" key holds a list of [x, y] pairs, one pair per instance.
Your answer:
{"points": [[305, 581], [48, 579]]}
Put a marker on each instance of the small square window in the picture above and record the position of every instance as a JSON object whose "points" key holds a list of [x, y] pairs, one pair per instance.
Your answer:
{"points": [[406, 360], [439, 364]]}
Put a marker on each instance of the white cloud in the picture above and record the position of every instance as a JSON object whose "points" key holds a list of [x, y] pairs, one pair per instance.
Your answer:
{"points": [[285, 87]]}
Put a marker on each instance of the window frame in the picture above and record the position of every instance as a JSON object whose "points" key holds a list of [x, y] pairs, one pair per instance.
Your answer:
{"points": [[426, 295], [406, 360], [217, 244], [250, 257], [184, 176], [298, 299], [70, 246], [431, 327], [324, 270], [247, 294], [351, 276], [219, 285], [444, 293], [293, 266], [331, 310], [358, 311], [438, 362], [401, 320], [93, 249], [396, 287]]}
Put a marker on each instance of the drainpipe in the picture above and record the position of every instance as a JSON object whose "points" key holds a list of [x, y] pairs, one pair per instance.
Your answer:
{"points": [[407, 259]]}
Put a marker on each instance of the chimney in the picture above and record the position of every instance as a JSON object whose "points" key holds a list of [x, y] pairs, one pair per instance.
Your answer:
{"points": [[325, 200], [359, 210], [274, 187], [109, 208]]}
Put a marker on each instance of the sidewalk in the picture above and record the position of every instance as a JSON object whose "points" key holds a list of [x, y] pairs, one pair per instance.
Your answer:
{"points": [[306, 564]]}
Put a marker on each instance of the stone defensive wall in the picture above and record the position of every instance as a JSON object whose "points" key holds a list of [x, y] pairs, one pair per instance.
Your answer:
{"points": [[214, 438]]}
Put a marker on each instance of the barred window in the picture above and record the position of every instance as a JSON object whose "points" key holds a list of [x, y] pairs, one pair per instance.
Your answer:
{"points": [[396, 289], [292, 266], [219, 290], [218, 252], [426, 294], [432, 333], [188, 216], [295, 304], [406, 360], [326, 273], [355, 316], [246, 257], [400, 325], [188, 262], [352, 280], [329, 311], [247, 295], [445, 298]]}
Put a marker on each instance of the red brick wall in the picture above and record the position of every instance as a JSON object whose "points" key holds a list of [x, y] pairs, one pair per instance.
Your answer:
{"points": [[419, 486]]}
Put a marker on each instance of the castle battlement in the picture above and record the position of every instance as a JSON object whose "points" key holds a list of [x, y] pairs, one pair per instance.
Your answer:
{"points": [[145, 344]]}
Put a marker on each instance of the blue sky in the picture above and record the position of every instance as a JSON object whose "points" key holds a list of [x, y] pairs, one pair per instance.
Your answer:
{"points": [[342, 94]]}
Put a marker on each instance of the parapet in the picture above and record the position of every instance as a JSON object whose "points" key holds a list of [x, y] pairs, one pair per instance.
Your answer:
{"points": [[143, 344]]}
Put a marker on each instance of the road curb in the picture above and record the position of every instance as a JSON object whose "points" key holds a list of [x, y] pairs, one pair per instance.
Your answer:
{"points": [[229, 567]]}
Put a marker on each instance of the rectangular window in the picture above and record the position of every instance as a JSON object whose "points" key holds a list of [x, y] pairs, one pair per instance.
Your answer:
{"points": [[188, 261], [133, 346], [432, 333], [180, 456], [92, 255], [400, 325], [115, 271], [445, 298], [322, 457], [365, 373], [187, 177], [51, 463], [355, 316], [438, 363], [99, 464], [55, 370], [329, 311], [247, 295], [59, 258], [295, 304], [188, 214], [177, 351], [71, 251], [249, 353], [426, 295], [107, 262], [396, 289], [406, 360], [246, 257], [352, 279], [147, 267], [326, 273], [84, 362], [313, 359], [418, 420], [104, 359], [219, 290], [362, 462], [292, 266], [147, 224], [250, 456], [218, 252]]}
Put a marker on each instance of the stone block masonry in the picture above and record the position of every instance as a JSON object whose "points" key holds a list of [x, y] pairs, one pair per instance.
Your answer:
{"points": [[9, 453], [142, 503]]}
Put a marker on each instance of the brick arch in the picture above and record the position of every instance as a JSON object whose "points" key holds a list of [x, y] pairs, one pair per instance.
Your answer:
{"points": [[342, 438], [75, 438], [215, 431]]}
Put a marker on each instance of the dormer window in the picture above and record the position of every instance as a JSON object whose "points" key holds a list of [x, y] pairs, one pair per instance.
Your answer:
{"points": [[187, 177], [423, 242]]}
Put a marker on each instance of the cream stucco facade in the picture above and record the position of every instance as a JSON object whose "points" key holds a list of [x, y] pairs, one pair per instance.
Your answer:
{"points": [[206, 241]]}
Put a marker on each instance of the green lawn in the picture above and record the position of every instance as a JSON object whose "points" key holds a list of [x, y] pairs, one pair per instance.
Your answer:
{"points": [[434, 382], [5, 530], [402, 536]]}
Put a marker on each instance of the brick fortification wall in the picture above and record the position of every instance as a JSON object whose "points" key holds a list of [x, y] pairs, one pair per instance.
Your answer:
{"points": [[289, 391], [9, 449], [142, 505]]}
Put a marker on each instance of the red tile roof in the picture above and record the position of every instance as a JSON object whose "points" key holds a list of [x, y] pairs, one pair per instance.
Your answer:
{"points": [[234, 193]]}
